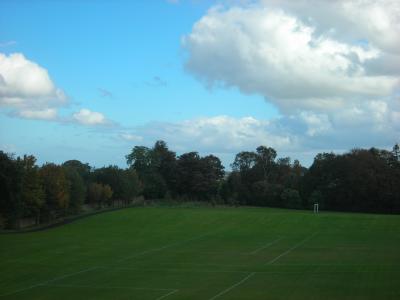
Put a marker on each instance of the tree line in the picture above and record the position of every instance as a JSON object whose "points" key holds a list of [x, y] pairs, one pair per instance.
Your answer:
{"points": [[365, 180]]}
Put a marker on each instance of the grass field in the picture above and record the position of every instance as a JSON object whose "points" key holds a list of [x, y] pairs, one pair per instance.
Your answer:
{"points": [[205, 253]]}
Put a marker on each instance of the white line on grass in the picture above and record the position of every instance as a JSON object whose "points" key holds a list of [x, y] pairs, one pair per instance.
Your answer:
{"points": [[166, 295], [265, 246], [107, 287], [232, 286], [291, 249], [205, 264], [49, 281], [178, 270], [165, 247], [123, 259]]}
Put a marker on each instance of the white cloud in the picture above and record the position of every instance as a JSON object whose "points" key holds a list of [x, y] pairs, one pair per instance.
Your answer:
{"points": [[90, 118], [45, 114], [214, 134], [331, 67], [270, 52], [26, 88], [300, 136], [317, 124], [27, 91], [376, 21], [130, 137]]}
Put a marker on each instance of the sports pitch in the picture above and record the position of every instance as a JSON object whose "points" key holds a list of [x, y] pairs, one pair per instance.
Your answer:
{"points": [[206, 253]]}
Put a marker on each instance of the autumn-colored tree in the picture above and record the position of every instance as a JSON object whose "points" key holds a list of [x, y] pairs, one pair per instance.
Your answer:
{"points": [[56, 188], [99, 194]]}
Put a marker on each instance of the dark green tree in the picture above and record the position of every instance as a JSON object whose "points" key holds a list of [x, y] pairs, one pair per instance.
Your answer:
{"points": [[11, 173], [77, 189], [32, 193]]}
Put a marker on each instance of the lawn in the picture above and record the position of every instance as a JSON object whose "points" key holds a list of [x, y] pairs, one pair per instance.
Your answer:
{"points": [[206, 253]]}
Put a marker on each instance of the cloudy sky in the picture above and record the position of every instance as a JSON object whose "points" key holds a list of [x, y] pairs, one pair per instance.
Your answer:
{"points": [[89, 80]]}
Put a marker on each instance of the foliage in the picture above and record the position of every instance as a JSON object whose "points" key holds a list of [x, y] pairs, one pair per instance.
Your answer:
{"points": [[77, 190], [99, 194], [32, 193], [10, 189], [56, 188], [360, 180], [124, 183]]}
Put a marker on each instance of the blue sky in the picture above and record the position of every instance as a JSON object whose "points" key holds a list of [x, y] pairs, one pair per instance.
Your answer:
{"points": [[132, 72]]}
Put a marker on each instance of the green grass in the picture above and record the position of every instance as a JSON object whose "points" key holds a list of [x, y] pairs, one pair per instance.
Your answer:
{"points": [[206, 253]]}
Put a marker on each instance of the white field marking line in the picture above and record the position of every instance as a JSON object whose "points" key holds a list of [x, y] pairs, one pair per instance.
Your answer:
{"points": [[261, 272], [106, 287], [180, 270], [164, 247], [166, 295], [193, 264], [341, 265], [291, 249], [233, 286], [49, 281], [265, 246], [126, 258]]}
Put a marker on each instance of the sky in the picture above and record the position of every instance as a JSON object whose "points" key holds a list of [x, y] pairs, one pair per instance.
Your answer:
{"points": [[89, 80]]}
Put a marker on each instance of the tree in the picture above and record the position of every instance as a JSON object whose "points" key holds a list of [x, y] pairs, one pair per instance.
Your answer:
{"points": [[156, 168], [212, 174], [10, 190], [56, 188], [32, 194], [83, 169], [99, 194], [265, 160], [164, 163], [140, 159], [396, 152], [360, 180], [244, 161], [106, 194], [291, 198], [77, 189], [95, 194], [124, 184]]}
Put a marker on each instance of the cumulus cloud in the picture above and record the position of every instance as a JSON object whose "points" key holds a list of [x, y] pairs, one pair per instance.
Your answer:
{"points": [[90, 118], [215, 134], [300, 136], [273, 53], [331, 67], [27, 89]]}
